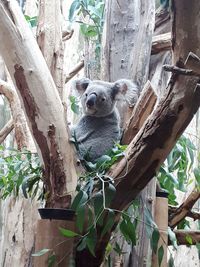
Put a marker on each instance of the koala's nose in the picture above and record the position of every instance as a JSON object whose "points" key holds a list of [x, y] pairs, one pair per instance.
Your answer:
{"points": [[91, 100]]}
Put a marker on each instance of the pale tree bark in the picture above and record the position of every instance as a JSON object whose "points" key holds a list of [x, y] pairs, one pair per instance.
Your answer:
{"points": [[4, 132], [127, 41], [22, 134], [41, 102], [49, 37]]}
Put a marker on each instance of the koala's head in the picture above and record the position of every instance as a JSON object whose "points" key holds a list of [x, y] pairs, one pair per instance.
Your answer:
{"points": [[98, 98]]}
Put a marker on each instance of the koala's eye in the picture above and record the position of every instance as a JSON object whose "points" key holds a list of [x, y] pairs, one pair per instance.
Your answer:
{"points": [[103, 99], [86, 95]]}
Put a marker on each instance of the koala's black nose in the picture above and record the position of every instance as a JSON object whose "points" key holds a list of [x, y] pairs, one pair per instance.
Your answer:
{"points": [[91, 100]]}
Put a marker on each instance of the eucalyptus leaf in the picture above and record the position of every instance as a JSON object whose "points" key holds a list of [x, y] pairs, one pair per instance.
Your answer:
{"points": [[160, 255], [67, 233], [154, 240], [41, 252]]}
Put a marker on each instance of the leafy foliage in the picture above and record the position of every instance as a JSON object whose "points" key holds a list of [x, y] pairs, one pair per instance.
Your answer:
{"points": [[31, 20], [176, 171], [90, 14], [20, 172]]}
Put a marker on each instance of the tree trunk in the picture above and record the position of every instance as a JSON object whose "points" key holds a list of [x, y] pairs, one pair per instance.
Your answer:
{"points": [[36, 87], [49, 37]]}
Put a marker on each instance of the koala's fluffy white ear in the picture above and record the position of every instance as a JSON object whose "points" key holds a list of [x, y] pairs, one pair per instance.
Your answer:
{"points": [[128, 89], [81, 85]]}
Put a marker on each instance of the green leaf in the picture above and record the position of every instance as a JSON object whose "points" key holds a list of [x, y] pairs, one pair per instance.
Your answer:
{"points": [[51, 260], [188, 238], [91, 240], [110, 191], [41, 252], [74, 6], [80, 198], [172, 238], [154, 240], [98, 203], [198, 246], [82, 244], [171, 262], [68, 233], [160, 255], [197, 175], [109, 223], [88, 30], [128, 230], [80, 219]]}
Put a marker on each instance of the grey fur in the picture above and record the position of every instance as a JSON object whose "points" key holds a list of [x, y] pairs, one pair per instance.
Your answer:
{"points": [[99, 129]]}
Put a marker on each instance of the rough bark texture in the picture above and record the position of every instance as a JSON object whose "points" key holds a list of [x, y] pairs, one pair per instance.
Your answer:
{"points": [[164, 126], [127, 40], [49, 37], [41, 103]]}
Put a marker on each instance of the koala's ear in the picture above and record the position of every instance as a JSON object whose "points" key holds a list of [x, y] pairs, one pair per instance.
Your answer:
{"points": [[126, 88], [81, 85]]}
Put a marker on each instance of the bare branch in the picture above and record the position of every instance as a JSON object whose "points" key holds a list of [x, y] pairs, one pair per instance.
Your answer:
{"points": [[141, 111], [4, 132], [74, 71], [181, 71], [181, 212], [22, 134], [161, 42], [191, 214], [183, 236]]}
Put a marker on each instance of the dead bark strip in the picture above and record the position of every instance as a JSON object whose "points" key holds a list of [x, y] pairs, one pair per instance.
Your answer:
{"points": [[41, 102], [181, 212], [4, 132]]}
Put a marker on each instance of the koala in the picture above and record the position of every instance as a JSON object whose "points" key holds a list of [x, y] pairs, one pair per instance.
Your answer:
{"points": [[99, 128]]}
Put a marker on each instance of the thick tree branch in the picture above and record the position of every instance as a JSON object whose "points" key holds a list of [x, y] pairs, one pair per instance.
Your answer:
{"points": [[161, 42], [187, 237], [4, 132], [74, 71], [41, 102], [141, 111], [181, 212]]}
